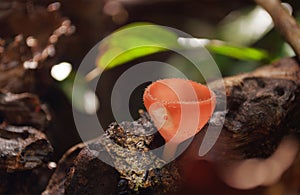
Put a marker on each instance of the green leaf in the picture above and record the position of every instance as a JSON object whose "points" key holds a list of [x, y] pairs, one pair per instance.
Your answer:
{"points": [[142, 39], [135, 41], [237, 52], [226, 49]]}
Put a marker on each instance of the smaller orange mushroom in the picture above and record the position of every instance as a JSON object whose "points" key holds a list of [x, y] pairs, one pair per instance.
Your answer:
{"points": [[179, 108]]}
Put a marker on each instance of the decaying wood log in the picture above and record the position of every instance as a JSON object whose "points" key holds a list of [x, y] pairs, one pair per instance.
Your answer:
{"points": [[24, 152], [24, 148], [262, 107]]}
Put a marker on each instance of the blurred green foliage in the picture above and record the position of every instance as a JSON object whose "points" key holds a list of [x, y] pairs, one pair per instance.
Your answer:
{"points": [[244, 40], [141, 39], [134, 41]]}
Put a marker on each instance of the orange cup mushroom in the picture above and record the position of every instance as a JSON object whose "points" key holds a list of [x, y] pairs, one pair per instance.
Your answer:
{"points": [[179, 108]]}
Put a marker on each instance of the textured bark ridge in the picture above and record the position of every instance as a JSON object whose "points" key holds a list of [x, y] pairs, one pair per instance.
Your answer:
{"points": [[22, 148]]}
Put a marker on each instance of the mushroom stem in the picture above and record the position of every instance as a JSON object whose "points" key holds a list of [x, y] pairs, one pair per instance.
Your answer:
{"points": [[169, 151]]}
